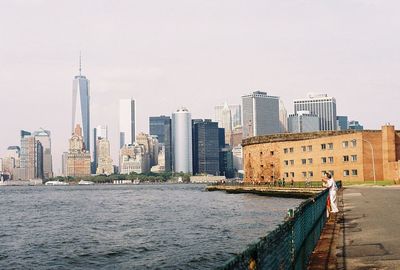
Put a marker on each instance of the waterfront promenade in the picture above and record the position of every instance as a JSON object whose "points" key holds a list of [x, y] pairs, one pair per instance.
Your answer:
{"points": [[370, 229]]}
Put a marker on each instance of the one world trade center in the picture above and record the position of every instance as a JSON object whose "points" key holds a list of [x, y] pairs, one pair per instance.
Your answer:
{"points": [[80, 106]]}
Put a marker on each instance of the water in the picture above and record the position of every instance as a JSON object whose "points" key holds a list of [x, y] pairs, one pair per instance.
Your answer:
{"points": [[130, 227]]}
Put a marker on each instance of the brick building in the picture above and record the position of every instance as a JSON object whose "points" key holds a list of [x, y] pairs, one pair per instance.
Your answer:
{"points": [[349, 155]]}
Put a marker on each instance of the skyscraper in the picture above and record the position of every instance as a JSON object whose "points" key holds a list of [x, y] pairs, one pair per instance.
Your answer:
{"points": [[303, 121], [206, 147], [321, 105], [31, 162], [43, 136], [182, 141], [127, 123], [355, 125], [260, 114], [81, 105], [283, 120], [103, 158], [342, 122], [235, 111], [161, 127], [99, 132], [78, 160]]}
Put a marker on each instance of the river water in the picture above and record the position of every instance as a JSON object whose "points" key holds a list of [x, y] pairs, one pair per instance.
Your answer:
{"points": [[130, 227]]}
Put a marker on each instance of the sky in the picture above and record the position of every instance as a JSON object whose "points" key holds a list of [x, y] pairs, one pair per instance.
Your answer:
{"points": [[192, 53]]}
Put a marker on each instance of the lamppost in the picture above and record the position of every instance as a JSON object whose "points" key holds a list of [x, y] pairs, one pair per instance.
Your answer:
{"points": [[373, 159]]}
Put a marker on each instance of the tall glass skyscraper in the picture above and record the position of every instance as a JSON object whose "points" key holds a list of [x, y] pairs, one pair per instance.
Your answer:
{"points": [[43, 136], [161, 127], [127, 123], [81, 106], [182, 141], [321, 105]]}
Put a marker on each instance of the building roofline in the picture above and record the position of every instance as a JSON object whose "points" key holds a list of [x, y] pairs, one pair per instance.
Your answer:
{"points": [[290, 137]]}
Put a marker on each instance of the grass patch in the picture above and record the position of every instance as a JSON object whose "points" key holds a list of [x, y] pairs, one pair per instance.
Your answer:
{"points": [[370, 183]]}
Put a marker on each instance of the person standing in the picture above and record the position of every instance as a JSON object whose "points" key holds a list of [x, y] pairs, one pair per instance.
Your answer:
{"points": [[331, 184]]}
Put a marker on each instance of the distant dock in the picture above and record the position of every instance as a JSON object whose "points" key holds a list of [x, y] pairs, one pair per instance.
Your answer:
{"points": [[285, 192]]}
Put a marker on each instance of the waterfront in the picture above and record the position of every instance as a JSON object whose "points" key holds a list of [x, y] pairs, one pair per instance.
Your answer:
{"points": [[128, 227]]}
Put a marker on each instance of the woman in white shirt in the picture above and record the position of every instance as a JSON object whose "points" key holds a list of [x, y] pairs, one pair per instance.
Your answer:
{"points": [[331, 184]]}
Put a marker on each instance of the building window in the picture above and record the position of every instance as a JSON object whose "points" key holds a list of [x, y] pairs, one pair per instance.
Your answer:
{"points": [[330, 146], [285, 150], [353, 158], [272, 153], [354, 172], [260, 153], [323, 160], [292, 162], [291, 150], [323, 173], [310, 161], [346, 173], [272, 165], [353, 143], [304, 174], [345, 158], [309, 148], [262, 177], [323, 146], [345, 144], [303, 148], [292, 174], [330, 159], [286, 162], [262, 165], [310, 174], [331, 173], [286, 174], [304, 161]]}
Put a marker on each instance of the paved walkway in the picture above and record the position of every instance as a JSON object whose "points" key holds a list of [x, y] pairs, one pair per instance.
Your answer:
{"points": [[370, 228]]}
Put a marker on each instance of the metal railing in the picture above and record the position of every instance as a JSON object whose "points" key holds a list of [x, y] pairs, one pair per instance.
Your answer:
{"points": [[290, 245]]}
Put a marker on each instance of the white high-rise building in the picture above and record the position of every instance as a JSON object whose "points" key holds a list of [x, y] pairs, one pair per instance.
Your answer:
{"points": [[321, 105], [81, 105], [283, 117], [182, 141], [260, 114], [127, 122], [235, 112]]}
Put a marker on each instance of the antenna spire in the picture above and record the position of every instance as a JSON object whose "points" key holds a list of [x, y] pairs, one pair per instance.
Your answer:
{"points": [[80, 63]]}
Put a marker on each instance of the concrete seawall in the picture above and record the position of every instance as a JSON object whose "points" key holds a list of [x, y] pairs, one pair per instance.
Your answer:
{"points": [[301, 193]]}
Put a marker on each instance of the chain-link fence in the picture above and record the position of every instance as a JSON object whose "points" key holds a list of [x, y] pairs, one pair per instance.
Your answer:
{"points": [[290, 245]]}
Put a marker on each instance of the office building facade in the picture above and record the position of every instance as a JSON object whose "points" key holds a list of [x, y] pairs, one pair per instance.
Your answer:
{"points": [[127, 122], [44, 137], [321, 105], [303, 121], [160, 126], [260, 114], [182, 141]]}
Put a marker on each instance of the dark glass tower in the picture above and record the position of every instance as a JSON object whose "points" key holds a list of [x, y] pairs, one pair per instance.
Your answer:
{"points": [[161, 127], [205, 147]]}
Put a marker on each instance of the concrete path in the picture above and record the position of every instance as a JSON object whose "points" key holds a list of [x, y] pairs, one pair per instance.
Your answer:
{"points": [[370, 228]]}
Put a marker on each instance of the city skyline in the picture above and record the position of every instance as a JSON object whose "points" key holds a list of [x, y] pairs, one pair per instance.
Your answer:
{"points": [[279, 50]]}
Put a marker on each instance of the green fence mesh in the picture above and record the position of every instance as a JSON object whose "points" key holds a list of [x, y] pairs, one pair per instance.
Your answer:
{"points": [[290, 245]]}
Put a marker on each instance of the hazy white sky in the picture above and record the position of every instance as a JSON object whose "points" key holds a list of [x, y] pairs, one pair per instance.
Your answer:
{"points": [[196, 53]]}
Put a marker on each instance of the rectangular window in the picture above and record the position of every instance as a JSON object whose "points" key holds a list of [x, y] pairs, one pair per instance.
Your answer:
{"points": [[323, 146], [292, 162], [309, 148], [346, 173], [304, 161], [353, 158], [345, 144], [292, 174], [323, 173], [330, 159], [310, 161], [345, 158], [303, 148], [286, 162], [286, 174], [272, 153], [323, 160], [260, 153], [353, 143], [304, 174], [310, 174], [354, 172], [331, 173], [285, 150], [291, 150], [330, 146], [262, 165]]}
